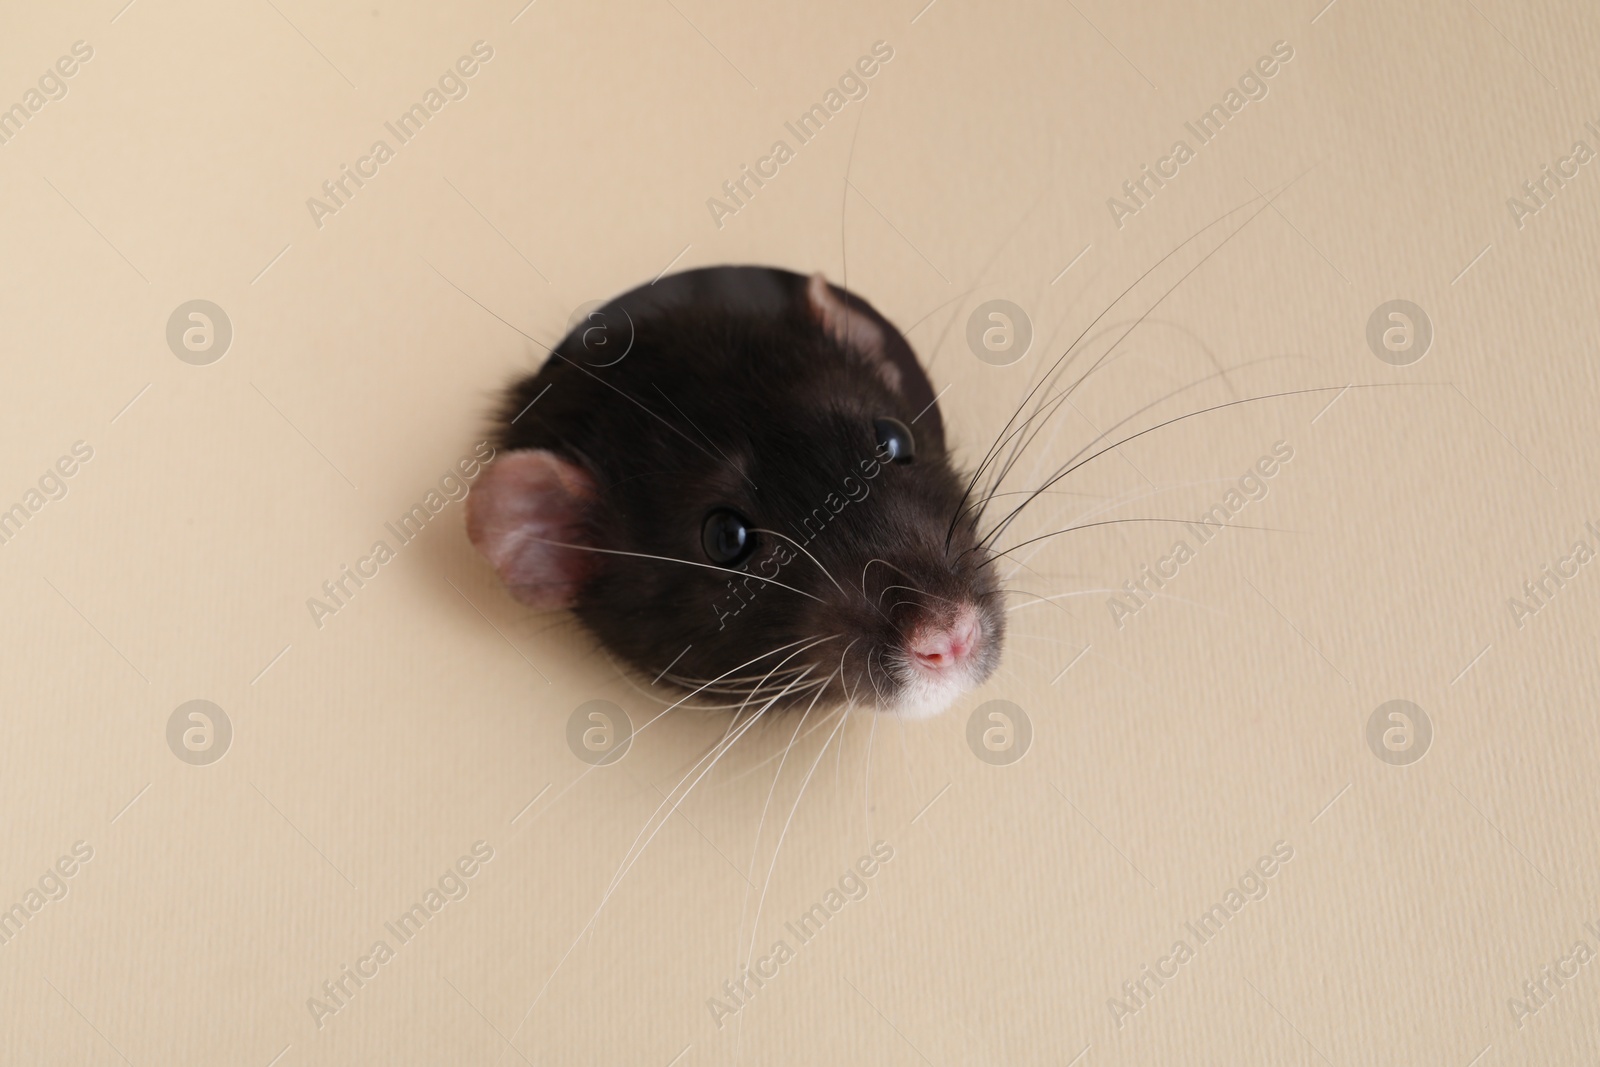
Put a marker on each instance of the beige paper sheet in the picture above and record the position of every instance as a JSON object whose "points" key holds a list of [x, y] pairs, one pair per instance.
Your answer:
{"points": [[1222, 842]]}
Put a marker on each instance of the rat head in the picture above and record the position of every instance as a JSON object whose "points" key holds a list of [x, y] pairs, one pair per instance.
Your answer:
{"points": [[740, 483]]}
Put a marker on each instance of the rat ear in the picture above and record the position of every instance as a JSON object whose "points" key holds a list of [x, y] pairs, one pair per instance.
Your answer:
{"points": [[852, 327], [527, 499]]}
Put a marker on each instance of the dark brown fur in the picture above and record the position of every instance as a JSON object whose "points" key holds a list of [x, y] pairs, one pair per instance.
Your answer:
{"points": [[732, 395]]}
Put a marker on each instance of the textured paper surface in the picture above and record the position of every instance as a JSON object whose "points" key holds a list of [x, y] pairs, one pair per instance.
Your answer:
{"points": [[1425, 904]]}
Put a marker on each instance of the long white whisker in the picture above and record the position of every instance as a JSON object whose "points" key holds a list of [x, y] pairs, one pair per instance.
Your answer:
{"points": [[697, 685], [761, 822], [886, 563], [875, 687], [755, 923], [824, 682], [1113, 504], [673, 559], [659, 715], [912, 589], [607, 896], [596, 915], [616, 879], [809, 556], [636, 853], [1037, 600], [838, 757], [867, 787], [725, 746], [799, 679]]}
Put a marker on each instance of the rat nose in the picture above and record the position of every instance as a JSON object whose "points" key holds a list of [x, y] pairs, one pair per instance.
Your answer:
{"points": [[945, 645]]}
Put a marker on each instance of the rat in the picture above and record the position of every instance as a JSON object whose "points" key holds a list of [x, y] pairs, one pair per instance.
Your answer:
{"points": [[737, 480]]}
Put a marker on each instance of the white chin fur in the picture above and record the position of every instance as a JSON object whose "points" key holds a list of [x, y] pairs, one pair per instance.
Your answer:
{"points": [[923, 697]]}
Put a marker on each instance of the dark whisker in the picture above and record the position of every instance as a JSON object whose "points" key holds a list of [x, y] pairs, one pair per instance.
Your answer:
{"points": [[1118, 425], [1023, 444], [1113, 522], [1110, 351], [988, 456], [1073, 466]]}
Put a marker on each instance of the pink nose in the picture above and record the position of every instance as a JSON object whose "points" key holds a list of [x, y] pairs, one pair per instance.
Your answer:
{"points": [[940, 647]]}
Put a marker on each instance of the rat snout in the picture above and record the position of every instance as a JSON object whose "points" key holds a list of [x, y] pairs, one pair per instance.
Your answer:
{"points": [[943, 653], [940, 646]]}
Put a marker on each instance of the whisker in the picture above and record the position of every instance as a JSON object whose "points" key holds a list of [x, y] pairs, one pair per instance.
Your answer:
{"points": [[767, 883], [866, 790], [1131, 498], [875, 687], [936, 309], [663, 713], [838, 757], [731, 464], [740, 685], [1113, 522], [1073, 466], [753, 768], [761, 822], [629, 859], [1108, 354], [1024, 443], [673, 559], [639, 851], [1037, 600], [978, 471], [732, 683], [798, 680], [886, 563], [627, 677], [912, 589], [802, 548]]}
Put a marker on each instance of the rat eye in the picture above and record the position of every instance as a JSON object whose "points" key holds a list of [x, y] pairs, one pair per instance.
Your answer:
{"points": [[895, 442], [727, 538]]}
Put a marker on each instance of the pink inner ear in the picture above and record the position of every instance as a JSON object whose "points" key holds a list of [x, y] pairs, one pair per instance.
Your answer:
{"points": [[524, 501], [852, 329]]}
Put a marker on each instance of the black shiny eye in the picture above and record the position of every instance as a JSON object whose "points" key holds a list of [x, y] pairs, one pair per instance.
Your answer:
{"points": [[727, 538], [895, 443]]}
